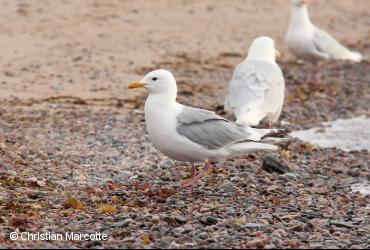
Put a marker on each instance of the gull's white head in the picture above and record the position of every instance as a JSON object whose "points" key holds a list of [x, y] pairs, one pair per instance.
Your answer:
{"points": [[159, 81], [263, 48], [299, 3]]}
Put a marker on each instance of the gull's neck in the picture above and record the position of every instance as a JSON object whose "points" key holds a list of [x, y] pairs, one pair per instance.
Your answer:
{"points": [[299, 17], [266, 56], [161, 100]]}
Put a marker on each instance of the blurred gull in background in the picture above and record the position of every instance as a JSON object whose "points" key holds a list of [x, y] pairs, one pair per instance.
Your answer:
{"points": [[311, 44], [256, 90]]}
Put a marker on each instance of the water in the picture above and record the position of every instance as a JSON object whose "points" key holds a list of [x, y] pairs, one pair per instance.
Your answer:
{"points": [[346, 134], [363, 188]]}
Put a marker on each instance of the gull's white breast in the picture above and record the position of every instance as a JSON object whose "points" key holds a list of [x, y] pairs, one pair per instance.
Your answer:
{"points": [[300, 42]]}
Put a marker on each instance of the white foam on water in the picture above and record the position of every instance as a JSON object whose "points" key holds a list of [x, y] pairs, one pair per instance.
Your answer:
{"points": [[361, 187], [346, 134]]}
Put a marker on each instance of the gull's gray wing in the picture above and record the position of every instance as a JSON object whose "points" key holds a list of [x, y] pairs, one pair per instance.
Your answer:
{"points": [[208, 129], [326, 44]]}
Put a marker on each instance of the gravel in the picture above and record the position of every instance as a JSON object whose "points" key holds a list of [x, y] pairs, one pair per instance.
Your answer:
{"points": [[99, 160]]}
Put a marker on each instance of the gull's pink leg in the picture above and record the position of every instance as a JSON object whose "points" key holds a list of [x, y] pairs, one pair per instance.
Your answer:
{"points": [[193, 171], [196, 177], [318, 74], [309, 74], [190, 182]]}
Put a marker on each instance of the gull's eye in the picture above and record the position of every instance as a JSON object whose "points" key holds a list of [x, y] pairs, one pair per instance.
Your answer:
{"points": [[154, 79]]}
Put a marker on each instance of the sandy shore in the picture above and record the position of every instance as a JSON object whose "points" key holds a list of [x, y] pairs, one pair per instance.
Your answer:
{"points": [[91, 49]]}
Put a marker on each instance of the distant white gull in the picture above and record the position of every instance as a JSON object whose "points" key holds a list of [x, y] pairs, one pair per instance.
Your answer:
{"points": [[195, 135], [256, 90], [312, 44]]}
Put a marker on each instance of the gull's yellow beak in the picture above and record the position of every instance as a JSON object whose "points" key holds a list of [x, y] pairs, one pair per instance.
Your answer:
{"points": [[277, 55], [304, 1], [134, 85]]}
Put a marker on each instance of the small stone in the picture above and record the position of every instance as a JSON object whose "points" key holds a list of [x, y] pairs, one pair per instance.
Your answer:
{"points": [[12, 172], [203, 236], [290, 177], [270, 246], [297, 226], [155, 219], [273, 164], [293, 243], [112, 153], [253, 225], [125, 175], [123, 223], [256, 243], [227, 186], [244, 174], [209, 220], [264, 221], [180, 219], [280, 233], [316, 246], [315, 223], [341, 224], [109, 219]]}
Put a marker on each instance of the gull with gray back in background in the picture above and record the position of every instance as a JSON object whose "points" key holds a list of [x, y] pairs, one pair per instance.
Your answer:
{"points": [[312, 44], [256, 90], [196, 135]]}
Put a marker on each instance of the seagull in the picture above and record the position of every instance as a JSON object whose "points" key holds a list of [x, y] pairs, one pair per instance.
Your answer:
{"points": [[312, 44], [193, 135], [256, 90]]}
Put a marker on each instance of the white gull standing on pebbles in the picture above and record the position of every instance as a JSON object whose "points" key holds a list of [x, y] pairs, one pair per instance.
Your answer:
{"points": [[256, 90], [195, 135], [311, 44]]}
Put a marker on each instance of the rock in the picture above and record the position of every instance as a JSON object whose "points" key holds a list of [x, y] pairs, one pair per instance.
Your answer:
{"points": [[155, 219], [112, 153], [270, 246], [109, 219], [209, 220], [124, 175], [316, 246], [203, 235], [293, 243], [290, 177], [180, 219], [297, 226], [227, 186], [230, 212], [249, 208], [280, 233], [12, 172], [244, 174], [253, 225], [273, 164], [256, 243], [341, 224], [123, 223]]}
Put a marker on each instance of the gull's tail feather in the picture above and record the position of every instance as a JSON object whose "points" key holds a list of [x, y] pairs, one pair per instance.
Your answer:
{"points": [[354, 57], [277, 140], [276, 133], [276, 136], [249, 147], [257, 134], [349, 55]]}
